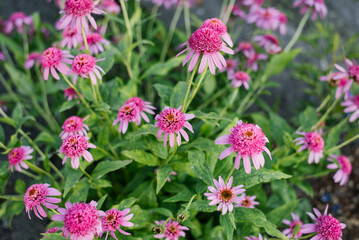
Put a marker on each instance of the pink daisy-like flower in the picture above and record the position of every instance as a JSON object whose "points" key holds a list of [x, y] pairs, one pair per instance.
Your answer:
{"points": [[52, 230], [326, 226], [114, 219], [260, 237], [110, 6], [282, 18], [95, 42], [345, 168], [225, 195], [70, 38], [81, 220], [315, 144], [264, 18], [269, 42], [205, 41], [341, 81], [231, 67], [252, 59], [220, 28], [246, 48], [351, 105], [237, 11], [173, 230], [252, 2], [292, 224], [32, 59], [143, 107], [55, 58], [38, 194], [17, 156], [74, 125], [171, 121], [353, 69], [17, 20], [246, 201], [249, 141], [240, 78], [74, 146], [85, 66], [317, 5], [70, 94], [76, 12]]}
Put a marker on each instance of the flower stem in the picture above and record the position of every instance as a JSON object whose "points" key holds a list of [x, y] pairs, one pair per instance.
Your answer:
{"points": [[230, 174], [190, 81], [128, 26], [94, 93], [187, 20], [230, 103], [190, 202], [322, 119], [84, 172], [333, 149], [19, 198], [228, 11], [298, 32], [173, 153], [30, 174], [40, 171], [85, 40], [197, 87]]}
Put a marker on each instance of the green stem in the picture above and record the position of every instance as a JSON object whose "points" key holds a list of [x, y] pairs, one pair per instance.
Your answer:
{"points": [[230, 174], [190, 81], [223, 8], [128, 26], [333, 149], [3, 146], [218, 94], [25, 43], [197, 87], [173, 153], [153, 18], [187, 20], [190, 202], [94, 93], [85, 40], [84, 172], [298, 32], [171, 32], [19, 198], [322, 119], [56, 170], [30, 174], [39, 170], [230, 103], [324, 103], [228, 11]]}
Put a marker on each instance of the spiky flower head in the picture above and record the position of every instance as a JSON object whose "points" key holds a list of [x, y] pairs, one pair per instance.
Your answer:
{"points": [[85, 66], [17, 156], [114, 219], [313, 142], [53, 59], [173, 230]]}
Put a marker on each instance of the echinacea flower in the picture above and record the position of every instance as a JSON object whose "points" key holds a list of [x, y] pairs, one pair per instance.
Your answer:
{"points": [[173, 230], [74, 125], [292, 224], [282, 18], [252, 59], [143, 107], [17, 156], [344, 168], [205, 41], [313, 142], [240, 78], [249, 141], [32, 59], [246, 201], [246, 48], [52, 230], [55, 58], [85, 66], [326, 226], [231, 67], [17, 20], [70, 38], [220, 28], [237, 11], [269, 42], [70, 94], [252, 2], [114, 219], [339, 80], [109, 6], [351, 105], [39, 194], [76, 14], [95, 42], [353, 69], [74, 146], [264, 18], [81, 220], [260, 237], [317, 5], [224, 194], [171, 121]]}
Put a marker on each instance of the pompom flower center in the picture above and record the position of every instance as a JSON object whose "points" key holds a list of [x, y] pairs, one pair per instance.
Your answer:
{"points": [[345, 164], [34, 195], [241, 76], [79, 8], [93, 38], [51, 57], [74, 145], [128, 111], [216, 24], [329, 227], [110, 218], [172, 230], [205, 40], [226, 195], [171, 120], [83, 64], [315, 141], [73, 124], [16, 155]]}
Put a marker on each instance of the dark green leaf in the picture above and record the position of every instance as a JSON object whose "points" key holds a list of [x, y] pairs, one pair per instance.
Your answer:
{"points": [[199, 166], [277, 215], [80, 191], [178, 94], [164, 92], [162, 175], [202, 206], [85, 89], [2, 134], [278, 126], [106, 64], [163, 211], [44, 137], [210, 118], [308, 118], [101, 201], [20, 186], [54, 236], [71, 180], [334, 135], [184, 196], [17, 115], [103, 107], [162, 69], [67, 105], [296, 229], [226, 224], [108, 166], [145, 130], [279, 61], [11, 44], [141, 157]]}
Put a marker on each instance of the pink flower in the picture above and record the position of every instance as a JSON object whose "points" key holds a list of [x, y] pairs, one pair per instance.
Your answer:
{"points": [[326, 226], [171, 121], [85, 66], [256, 238], [55, 58], [17, 156], [315, 144], [282, 18], [246, 48], [224, 194], [292, 224], [110, 6], [246, 201], [269, 42], [114, 219], [70, 94], [264, 18], [205, 41], [237, 11], [351, 105], [81, 220], [345, 168], [231, 67], [341, 81], [52, 230], [252, 2], [70, 38], [76, 12], [353, 69], [252, 59], [32, 59], [74, 146], [74, 125], [240, 78], [2, 57], [38, 194], [249, 141], [173, 230], [317, 5], [95, 42], [18, 20], [221, 29]]}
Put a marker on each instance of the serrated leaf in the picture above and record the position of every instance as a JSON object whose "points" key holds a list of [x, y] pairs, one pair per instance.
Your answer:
{"points": [[105, 167], [141, 157], [178, 94], [67, 105], [71, 180], [162, 175], [279, 61], [199, 166], [277, 215]]}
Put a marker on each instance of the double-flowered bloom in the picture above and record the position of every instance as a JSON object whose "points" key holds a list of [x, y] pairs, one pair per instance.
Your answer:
{"points": [[173, 230], [53, 59], [315, 144], [17, 156], [114, 219]]}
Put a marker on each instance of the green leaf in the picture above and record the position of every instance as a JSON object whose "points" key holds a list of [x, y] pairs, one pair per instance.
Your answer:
{"points": [[278, 126], [164, 92], [226, 224], [145, 130], [279, 61], [108, 166], [17, 115], [67, 105], [210, 118], [308, 118], [184, 196], [202, 206], [11, 44], [178, 94], [20, 186], [162, 175], [162, 69], [54, 236], [277, 215], [44, 137], [8, 121], [158, 148], [163, 211], [334, 135], [106, 64], [2, 134], [141, 157], [80, 191], [71, 180], [199, 166], [103, 107], [101, 201], [85, 90], [296, 229], [304, 186]]}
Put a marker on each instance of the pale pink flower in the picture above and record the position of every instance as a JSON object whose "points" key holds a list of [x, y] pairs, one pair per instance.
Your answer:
{"points": [[114, 219], [252, 2], [70, 38], [171, 121], [237, 11], [344, 168], [95, 43], [224, 194], [173, 173], [292, 224], [245, 47], [2, 57], [221, 29], [326, 226], [17, 20], [38, 194], [32, 59], [75, 146], [205, 41], [282, 18], [70, 94], [317, 5], [231, 67], [264, 18], [110, 6], [74, 125], [55, 58], [249, 141], [166, 3], [351, 105], [252, 58], [76, 14], [85, 66], [52, 230], [17, 156], [173, 230], [313, 142], [260, 237], [341, 81], [240, 78], [246, 201], [353, 69], [269, 42], [81, 220]]}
